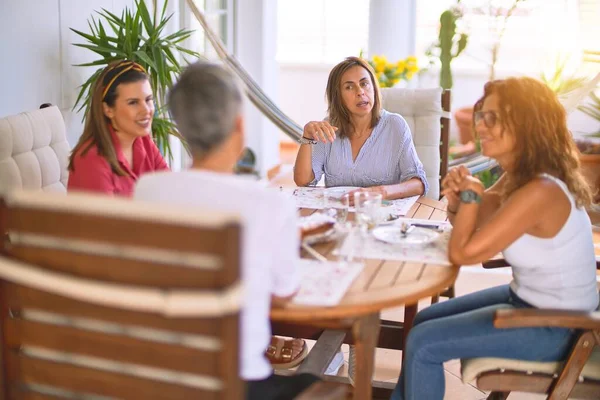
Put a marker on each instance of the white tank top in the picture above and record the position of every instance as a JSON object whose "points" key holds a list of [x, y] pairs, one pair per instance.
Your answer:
{"points": [[558, 272]]}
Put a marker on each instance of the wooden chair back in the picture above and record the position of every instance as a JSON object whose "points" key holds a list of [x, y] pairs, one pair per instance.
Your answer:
{"points": [[109, 297], [577, 377]]}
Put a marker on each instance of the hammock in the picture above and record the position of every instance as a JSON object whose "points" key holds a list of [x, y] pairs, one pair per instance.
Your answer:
{"points": [[253, 91]]}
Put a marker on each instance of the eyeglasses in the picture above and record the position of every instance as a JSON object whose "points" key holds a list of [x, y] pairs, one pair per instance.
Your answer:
{"points": [[490, 118]]}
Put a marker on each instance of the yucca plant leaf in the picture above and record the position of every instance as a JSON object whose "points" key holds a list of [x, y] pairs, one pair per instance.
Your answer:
{"points": [[164, 10], [181, 36], [177, 34], [119, 21], [103, 51], [175, 67], [145, 59], [104, 61], [145, 15], [102, 32], [86, 91], [91, 38], [186, 51], [158, 29]]}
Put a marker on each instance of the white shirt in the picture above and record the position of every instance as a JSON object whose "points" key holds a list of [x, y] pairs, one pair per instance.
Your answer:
{"points": [[558, 272], [270, 245]]}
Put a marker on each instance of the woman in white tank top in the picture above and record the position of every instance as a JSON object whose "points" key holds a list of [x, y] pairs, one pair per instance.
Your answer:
{"points": [[534, 215]]}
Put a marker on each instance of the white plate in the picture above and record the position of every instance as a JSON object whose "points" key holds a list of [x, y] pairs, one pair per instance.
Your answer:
{"points": [[392, 235]]}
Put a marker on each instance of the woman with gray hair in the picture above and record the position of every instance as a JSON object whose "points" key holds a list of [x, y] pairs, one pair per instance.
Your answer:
{"points": [[206, 104]]}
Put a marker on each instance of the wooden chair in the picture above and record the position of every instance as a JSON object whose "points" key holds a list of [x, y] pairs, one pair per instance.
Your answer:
{"points": [[111, 297], [578, 377]]}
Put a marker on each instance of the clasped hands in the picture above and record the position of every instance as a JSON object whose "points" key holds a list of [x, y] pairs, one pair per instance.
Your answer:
{"points": [[457, 180]]}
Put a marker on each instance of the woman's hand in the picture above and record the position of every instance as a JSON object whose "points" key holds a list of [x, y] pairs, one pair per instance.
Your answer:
{"points": [[372, 189], [322, 131], [472, 183], [451, 186]]}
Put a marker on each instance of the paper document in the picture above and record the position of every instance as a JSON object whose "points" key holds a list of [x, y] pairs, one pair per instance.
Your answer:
{"points": [[312, 197], [325, 283]]}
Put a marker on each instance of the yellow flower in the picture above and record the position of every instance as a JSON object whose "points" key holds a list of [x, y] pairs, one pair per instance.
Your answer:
{"points": [[413, 68], [409, 75], [411, 60], [379, 63], [378, 75], [400, 66]]}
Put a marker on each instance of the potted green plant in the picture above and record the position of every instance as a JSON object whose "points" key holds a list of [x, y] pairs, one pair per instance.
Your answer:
{"points": [[589, 147], [138, 35]]}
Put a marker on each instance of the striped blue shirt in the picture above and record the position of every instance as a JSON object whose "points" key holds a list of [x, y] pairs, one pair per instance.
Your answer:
{"points": [[387, 157]]}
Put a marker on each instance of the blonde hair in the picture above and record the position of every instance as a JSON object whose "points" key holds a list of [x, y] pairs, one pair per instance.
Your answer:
{"points": [[543, 143], [338, 114]]}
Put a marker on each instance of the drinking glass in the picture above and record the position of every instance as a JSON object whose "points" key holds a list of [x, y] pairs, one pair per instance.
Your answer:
{"points": [[367, 206], [336, 204]]}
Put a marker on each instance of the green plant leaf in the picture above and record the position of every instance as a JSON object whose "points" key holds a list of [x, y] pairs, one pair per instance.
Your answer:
{"points": [[104, 61], [146, 60], [145, 15], [91, 38], [102, 50]]}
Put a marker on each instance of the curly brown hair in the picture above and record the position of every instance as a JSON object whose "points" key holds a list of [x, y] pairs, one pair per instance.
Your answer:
{"points": [[338, 114], [543, 143]]}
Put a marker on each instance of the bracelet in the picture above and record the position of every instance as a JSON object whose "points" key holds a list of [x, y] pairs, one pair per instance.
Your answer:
{"points": [[306, 140]]}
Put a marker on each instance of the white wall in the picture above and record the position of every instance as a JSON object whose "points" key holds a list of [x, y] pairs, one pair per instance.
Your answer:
{"points": [[255, 48], [38, 67]]}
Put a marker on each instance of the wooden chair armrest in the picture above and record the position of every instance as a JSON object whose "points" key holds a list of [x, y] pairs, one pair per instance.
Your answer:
{"points": [[525, 318], [325, 390]]}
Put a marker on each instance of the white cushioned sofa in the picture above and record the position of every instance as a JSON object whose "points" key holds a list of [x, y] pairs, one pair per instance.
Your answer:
{"points": [[34, 151]]}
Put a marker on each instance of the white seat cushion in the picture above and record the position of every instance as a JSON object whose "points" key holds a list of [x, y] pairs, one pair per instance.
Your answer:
{"points": [[34, 151], [471, 368], [422, 110]]}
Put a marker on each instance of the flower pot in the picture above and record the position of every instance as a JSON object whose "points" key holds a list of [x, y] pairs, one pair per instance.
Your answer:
{"points": [[590, 168], [464, 121]]}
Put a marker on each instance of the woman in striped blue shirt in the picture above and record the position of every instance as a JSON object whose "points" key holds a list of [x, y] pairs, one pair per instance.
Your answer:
{"points": [[359, 143]]}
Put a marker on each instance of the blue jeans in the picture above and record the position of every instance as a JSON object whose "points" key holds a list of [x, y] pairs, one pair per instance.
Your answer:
{"points": [[463, 328]]}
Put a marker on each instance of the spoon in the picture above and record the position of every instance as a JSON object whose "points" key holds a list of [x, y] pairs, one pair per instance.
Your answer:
{"points": [[406, 229]]}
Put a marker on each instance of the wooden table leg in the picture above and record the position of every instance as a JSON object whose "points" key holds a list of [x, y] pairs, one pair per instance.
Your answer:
{"points": [[366, 333], [410, 311]]}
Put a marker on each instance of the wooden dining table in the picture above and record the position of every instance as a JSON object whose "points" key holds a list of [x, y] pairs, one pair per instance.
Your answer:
{"points": [[382, 284]]}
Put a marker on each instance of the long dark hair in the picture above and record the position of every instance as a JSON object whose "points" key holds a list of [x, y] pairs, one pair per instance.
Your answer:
{"points": [[338, 114], [96, 131]]}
